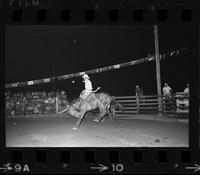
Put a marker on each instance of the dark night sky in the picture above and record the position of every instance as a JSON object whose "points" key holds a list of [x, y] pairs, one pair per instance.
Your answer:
{"points": [[31, 52]]}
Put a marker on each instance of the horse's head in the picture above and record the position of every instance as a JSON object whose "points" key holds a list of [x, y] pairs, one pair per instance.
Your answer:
{"points": [[67, 107], [66, 110]]}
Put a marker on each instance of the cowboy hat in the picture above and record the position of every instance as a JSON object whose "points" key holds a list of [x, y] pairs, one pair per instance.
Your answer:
{"points": [[85, 76]]}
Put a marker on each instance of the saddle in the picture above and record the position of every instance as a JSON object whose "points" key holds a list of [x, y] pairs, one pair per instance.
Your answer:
{"points": [[86, 98]]}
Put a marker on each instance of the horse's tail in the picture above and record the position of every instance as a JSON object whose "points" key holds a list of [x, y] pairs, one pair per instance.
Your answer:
{"points": [[117, 105], [112, 102]]}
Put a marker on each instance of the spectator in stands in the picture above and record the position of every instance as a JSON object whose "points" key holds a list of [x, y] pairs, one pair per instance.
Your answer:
{"points": [[64, 96], [57, 93], [12, 107], [7, 94], [26, 94], [7, 97], [44, 94], [21, 94], [36, 95], [187, 89], [62, 92], [17, 101], [138, 92], [48, 94], [50, 99], [52, 93], [46, 101]]}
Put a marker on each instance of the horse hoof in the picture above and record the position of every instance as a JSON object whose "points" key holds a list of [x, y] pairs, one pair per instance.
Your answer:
{"points": [[96, 120], [74, 128]]}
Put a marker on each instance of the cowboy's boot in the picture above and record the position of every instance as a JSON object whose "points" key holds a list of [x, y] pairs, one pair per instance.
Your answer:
{"points": [[79, 106]]}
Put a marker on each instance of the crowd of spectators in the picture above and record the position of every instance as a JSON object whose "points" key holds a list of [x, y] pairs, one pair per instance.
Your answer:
{"points": [[34, 102]]}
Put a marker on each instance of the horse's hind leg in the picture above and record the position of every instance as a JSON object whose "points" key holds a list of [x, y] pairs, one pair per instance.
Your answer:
{"points": [[78, 122], [108, 111], [101, 115]]}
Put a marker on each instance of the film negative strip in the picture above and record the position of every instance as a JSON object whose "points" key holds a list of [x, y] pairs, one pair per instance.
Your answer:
{"points": [[99, 86]]}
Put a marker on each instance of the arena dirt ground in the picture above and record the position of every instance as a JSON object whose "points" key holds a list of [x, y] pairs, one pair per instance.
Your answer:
{"points": [[122, 132]]}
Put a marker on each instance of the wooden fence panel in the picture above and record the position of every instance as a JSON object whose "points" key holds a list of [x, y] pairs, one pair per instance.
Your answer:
{"points": [[125, 97], [148, 104], [126, 101]]}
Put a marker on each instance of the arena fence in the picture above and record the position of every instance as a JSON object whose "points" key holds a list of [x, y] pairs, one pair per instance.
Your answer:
{"points": [[34, 106], [149, 104]]}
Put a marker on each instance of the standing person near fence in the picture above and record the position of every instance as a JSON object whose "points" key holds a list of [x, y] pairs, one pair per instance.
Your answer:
{"points": [[138, 92], [187, 89], [167, 90]]}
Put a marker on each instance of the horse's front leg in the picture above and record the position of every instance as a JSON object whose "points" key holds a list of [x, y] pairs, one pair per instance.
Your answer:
{"points": [[79, 121], [102, 113], [98, 117]]}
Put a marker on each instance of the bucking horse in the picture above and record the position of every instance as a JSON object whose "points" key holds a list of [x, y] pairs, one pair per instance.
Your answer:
{"points": [[101, 101]]}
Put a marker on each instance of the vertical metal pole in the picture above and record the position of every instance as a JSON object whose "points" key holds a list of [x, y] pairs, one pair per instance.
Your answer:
{"points": [[56, 105], [54, 77], [24, 106], [158, 77], [54, 87], [138, 104]]}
